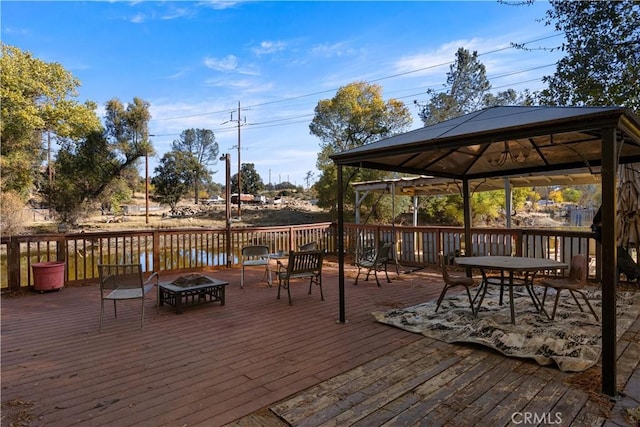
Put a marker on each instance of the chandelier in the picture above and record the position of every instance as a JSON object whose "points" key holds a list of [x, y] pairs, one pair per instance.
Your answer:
{"points": [[499, 159]]}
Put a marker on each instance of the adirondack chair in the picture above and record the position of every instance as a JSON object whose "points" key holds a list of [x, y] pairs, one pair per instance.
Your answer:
{"points": [[301, 265], [374, 260]]}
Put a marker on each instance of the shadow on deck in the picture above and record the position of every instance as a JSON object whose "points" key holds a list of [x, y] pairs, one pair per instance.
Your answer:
{"points": [[216, 365]]}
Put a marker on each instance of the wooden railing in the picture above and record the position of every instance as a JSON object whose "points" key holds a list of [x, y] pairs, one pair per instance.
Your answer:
{"points": [[194, 249], [170, 250]]}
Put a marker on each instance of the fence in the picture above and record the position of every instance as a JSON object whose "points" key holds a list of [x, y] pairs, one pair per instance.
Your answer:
{"points": [[184, 250]]}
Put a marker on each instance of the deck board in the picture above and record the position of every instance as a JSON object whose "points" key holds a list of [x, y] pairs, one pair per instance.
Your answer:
{"points": [[226, 365]]}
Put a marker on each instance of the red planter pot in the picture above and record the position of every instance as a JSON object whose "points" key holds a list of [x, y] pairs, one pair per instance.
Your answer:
{"points": [[48, 276]]}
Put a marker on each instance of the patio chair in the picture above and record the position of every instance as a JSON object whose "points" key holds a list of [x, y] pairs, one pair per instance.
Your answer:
{"points": [[574, 283], [301, 265], [124, 282], [454, 282], [255, 256], [374, 260]]}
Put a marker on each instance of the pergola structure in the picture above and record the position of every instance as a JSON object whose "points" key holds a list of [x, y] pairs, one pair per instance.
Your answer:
{"points": [[500, 142], [431, 186]]}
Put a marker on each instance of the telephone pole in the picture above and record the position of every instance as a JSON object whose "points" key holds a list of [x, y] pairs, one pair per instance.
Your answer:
{"points": [[239, 165], [239, 161]]}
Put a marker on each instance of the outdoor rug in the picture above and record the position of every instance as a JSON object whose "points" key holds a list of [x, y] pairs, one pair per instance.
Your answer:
{"points": [[572, 341]]}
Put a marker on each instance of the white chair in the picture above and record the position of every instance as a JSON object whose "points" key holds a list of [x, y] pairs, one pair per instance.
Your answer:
{"points": [[124, 282], [255, 255]]}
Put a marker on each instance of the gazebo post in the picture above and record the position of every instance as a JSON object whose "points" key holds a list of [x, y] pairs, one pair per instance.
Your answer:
{"points": [[609, 261], [340, 240], [466, 200]]}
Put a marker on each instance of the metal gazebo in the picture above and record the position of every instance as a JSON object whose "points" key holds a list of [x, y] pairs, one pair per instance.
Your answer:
{"points": [[515, 141]]}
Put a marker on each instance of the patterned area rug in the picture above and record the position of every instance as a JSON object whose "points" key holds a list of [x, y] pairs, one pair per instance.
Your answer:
{"points": [[572, 341]]}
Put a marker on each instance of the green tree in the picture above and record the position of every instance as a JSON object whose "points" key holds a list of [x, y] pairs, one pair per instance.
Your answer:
{"points": [[82, 171], [355, 116], [571, 195], [85, 168], [602, 62], [201, 143], [174, 177], [37, 108], [467, 89], [251, 180]]}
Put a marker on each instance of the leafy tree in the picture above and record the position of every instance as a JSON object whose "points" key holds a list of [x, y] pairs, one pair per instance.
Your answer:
{"points": [[37, 107], [251, 180], [201, 143], [174, 177], [467, 90], [355, 116], [571, 195], [85, 168], [602, 62], [82, 171]]}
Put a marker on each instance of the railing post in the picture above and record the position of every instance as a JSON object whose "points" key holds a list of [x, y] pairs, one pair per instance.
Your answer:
{"points": [[519, 242], [13, 264], [156, 250]]}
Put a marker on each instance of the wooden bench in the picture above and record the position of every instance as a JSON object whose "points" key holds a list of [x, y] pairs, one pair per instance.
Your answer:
{"points": [[301, 265]]}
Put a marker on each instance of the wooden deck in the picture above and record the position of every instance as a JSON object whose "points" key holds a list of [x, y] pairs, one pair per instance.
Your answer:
{"points": [[227, 365]]}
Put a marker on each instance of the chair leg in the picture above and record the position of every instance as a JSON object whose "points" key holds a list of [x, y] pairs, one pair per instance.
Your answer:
{"points": [[242, 277], [142, 313], [470, 300], [320, 284], [115, 310], [289, 292], [101, 314], [588, 304], [555, 306], [387, 274], [484, 292], [357, 275], [441, 297], [375, 273], [279, 286]]}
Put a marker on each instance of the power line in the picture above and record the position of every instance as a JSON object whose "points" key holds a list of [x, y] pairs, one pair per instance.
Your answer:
{"points": [[292, 98]]}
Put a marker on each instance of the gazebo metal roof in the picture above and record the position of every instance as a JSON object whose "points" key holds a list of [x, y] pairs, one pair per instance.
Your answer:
{"points": [[534, 140], [545, 139]]}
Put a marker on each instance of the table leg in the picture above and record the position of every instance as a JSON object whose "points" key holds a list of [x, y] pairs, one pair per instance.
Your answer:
{"points": [[483, 288], [513, 310], [178, 298]]}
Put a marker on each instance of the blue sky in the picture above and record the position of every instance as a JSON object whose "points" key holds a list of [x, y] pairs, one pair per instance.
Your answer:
{"points": [[195, 61]]}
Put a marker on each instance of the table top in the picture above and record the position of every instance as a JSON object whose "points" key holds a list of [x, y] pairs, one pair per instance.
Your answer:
{"points": [[192, 282], [279, 255], [510, 263]]}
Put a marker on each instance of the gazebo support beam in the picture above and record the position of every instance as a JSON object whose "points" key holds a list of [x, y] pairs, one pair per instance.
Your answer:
{"points": [[609, 260]]}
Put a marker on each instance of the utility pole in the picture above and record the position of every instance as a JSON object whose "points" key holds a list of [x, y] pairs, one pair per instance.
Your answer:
{"points": [[239, 165], [239, 161]]}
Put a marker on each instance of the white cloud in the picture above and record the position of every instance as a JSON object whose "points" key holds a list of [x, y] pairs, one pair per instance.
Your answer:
{"points": [[269, 47], [226, 64], [219, 4], [138, 18], [332, 50]]}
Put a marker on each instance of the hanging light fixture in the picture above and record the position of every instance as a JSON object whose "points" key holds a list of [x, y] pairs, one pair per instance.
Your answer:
{"points": [[499, 159]]}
